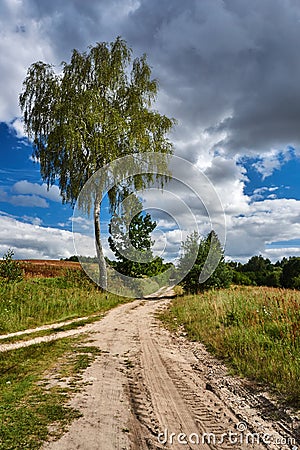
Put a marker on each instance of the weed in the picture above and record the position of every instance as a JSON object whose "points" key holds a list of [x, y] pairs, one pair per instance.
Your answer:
{"points": [[10, 270]]}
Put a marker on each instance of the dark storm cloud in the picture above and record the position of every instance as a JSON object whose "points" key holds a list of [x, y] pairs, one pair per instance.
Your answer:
{"points": [[76, 23], [228, 70], [229, 66]]}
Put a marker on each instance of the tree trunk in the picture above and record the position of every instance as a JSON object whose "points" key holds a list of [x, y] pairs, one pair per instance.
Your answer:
{"points": [[100, 255]]}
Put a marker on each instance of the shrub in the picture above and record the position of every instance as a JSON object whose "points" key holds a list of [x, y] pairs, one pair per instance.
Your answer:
{"points": [[10, 270]]}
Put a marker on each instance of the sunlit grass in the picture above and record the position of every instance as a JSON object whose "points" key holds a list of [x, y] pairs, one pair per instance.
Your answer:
{"points": [[27, 408], [256, 330], [40, 301]]}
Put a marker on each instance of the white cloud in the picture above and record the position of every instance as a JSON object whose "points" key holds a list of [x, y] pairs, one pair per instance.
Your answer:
{"points": [[32, 220], [260, 193], [272, 160], [18, 126], [23, 200], [263, 189], [167, 244], [228, 179], [33, 241], [24, 187], [276, 254], [34, 159], [26, 194], [266, 221], [20, 46], [225, 73], [33, 31]]}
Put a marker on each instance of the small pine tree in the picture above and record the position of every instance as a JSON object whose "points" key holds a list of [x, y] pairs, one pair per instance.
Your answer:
{"points": [[131, 243]]}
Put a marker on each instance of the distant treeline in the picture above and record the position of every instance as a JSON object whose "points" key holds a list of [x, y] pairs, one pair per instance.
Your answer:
{"points": [[259, 271], [87, 259]]}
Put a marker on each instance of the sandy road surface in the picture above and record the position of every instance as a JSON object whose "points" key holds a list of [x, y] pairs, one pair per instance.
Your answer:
{"points": [[147, 381]]}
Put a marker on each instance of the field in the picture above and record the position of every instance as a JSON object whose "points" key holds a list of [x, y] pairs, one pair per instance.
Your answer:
{"points": [[47, 268], [254, 330], [41, 300]]}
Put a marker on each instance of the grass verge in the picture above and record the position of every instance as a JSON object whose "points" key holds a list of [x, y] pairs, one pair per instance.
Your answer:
{"points": [[255, 330], [27, 405]]}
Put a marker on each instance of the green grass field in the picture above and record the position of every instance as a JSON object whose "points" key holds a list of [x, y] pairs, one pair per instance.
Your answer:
{"points": [[255, 330], [27, 405]]}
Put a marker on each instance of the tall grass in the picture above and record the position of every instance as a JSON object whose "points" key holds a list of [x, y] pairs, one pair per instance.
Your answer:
{"points": [[40, 301], [256, 330]]}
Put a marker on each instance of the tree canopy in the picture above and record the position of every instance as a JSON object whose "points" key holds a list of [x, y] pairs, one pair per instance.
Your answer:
{"points": [[290, 277], [94, 111], [220, 276]]}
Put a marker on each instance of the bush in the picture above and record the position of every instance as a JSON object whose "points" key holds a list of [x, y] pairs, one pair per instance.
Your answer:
{"points": [[242, 278], [10, 270], [290, 277]]}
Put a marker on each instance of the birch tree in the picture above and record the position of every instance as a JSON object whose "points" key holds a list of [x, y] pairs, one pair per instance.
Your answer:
{"points": [[97, 108]]}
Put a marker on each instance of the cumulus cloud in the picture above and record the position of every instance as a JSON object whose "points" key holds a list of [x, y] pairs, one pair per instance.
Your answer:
{"points": [[34, 220], [228, 179], [23, 200], [33, 241], [219, 63], [167, 244], [26, 194], [34, 30], [25, 187], [276, 254], [20, 45], [260, 193], [222, 62], [266, 222], [272, 160]]}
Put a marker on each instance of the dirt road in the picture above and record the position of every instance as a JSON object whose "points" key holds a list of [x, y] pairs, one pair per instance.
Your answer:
{"points": [[150, 389]]}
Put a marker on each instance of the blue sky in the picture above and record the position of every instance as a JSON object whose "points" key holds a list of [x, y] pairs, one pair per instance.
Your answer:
{"points": [[229, 73], [22, 192]]}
